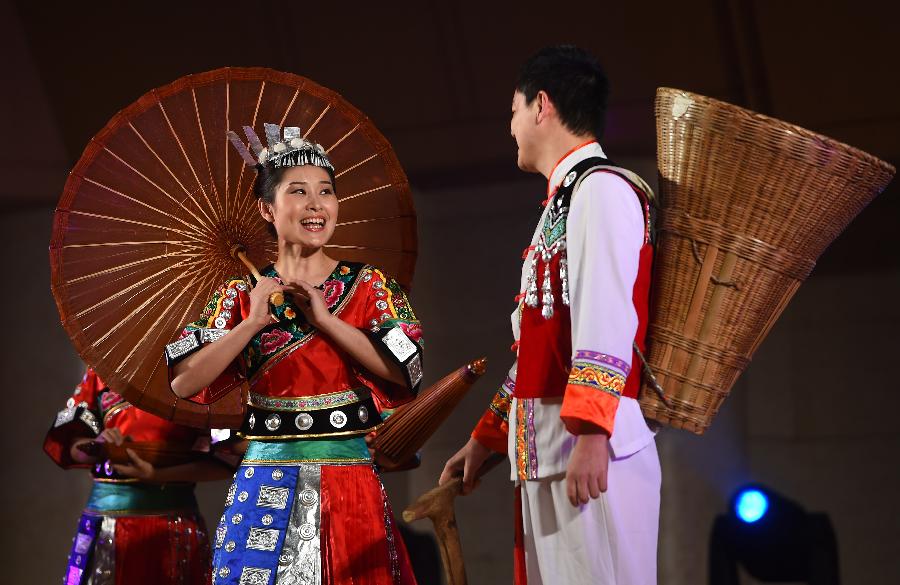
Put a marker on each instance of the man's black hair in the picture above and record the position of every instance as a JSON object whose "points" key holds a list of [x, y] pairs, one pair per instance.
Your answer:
{"points": [[575, 83]]}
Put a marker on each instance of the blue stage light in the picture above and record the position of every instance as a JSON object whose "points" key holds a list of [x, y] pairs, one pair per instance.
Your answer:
{"points": [[751, 505], [774, 539]]}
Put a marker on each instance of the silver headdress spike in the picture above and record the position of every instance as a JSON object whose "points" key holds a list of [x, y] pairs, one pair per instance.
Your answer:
{"points": [[242, 150], [273, 134], [290, 151], [255, 144]]}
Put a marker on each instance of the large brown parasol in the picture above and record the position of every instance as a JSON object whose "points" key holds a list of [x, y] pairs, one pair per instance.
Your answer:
{"points": [[150, 215]]}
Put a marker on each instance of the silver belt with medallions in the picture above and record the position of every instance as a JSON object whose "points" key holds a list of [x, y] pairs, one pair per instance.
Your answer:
{"points": [[352, 412]]}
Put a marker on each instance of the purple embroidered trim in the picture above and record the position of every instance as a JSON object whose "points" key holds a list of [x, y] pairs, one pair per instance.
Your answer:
{"points": [[531, 440], [598, 377], [526, 460], [586, 355], [389, 533], [509, 384]]}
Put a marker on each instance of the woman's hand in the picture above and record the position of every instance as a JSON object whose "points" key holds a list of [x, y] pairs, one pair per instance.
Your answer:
{"points": [[139, 468], [87, 450], [259, 301], [311, 302], [113, 436], [370, 443], [200, 369]]}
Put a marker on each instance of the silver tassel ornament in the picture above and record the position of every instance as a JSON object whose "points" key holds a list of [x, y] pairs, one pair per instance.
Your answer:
{"points": [[564, 278], [531, 292], [546, 294]]}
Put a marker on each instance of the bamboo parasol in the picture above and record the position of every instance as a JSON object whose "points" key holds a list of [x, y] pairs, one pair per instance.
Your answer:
{"points": [[407, 430], [154, 210]]}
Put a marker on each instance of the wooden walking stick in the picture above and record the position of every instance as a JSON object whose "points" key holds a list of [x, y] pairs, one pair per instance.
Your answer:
{"points": [[437, 504]]}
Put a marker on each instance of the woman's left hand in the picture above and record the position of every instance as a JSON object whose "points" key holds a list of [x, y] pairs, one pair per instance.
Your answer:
{"points": [[370, 443], [139, 468], [311, 302]]}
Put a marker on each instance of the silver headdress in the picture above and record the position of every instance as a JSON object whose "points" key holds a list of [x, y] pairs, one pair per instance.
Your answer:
{"points": [[291, 150]]}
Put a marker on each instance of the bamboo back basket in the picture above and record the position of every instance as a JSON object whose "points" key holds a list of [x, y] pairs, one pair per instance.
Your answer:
{"points": [[748, 203]]}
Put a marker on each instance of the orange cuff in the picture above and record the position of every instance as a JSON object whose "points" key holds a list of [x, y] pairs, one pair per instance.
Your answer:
{"points": [[492, 431], [582, 404], [493, 428]]}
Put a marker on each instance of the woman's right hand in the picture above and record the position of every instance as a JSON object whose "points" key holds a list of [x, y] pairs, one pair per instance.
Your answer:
{"points": [[113, 436], [86, 450], [200, 369], [259, 301]]}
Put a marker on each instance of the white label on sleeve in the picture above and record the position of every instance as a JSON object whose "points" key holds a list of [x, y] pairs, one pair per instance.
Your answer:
{"points": [[399, 344]]}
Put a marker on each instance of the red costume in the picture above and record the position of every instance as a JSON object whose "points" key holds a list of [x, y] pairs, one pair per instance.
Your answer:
{"points": [[131, 533], [307, 504]]}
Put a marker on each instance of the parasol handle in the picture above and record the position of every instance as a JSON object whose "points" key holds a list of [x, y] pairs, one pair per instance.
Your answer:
{"points": [[239, 252]]}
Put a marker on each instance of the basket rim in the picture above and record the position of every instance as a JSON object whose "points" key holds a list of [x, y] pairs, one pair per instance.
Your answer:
{"points": [[802, 132]]}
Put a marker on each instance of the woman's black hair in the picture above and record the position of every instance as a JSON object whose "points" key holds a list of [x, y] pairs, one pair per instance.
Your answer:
{"points": [[575, 83], [267, 179]]}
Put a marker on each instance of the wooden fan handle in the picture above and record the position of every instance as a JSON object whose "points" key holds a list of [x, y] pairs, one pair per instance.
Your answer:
{"points": [[240, 252]]}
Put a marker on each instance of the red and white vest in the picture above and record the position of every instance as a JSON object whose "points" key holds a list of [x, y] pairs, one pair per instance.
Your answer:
{"points": [[545, 342]]}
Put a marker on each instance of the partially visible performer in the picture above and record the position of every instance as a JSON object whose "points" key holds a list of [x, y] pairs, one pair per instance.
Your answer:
{"points": [[583, 457], [141, 524], [324, 344]]}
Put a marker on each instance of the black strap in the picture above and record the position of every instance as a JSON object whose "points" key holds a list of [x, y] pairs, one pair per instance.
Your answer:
{"points": [[582, 169]]}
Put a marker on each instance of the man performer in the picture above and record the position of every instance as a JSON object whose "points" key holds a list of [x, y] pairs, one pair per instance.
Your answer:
{"points": [[583, 458]]}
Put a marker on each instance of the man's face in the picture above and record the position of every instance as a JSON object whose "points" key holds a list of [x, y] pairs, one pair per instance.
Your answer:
{"points": [[523, 128]]}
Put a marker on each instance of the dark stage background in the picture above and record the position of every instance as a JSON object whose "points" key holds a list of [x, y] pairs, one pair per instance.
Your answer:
{"points": [[813, 417]]}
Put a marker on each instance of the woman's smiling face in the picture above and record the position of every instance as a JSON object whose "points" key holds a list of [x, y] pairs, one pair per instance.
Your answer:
{"points": [[305, 207]]}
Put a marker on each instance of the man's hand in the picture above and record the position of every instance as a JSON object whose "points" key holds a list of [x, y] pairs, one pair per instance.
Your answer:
{"points": [[466, 462], [586, 473]]}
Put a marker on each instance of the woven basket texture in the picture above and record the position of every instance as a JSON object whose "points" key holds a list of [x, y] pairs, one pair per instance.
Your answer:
{"points": [[748, 203]]}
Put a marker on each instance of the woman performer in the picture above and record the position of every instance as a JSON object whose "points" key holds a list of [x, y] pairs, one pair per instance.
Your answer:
{"points": [[307, 504], [141, 524]]}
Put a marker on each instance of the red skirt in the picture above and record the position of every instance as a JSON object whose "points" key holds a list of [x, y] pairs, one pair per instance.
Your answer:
{"points": [[165, 549], [295, 518], [359, 538]]}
